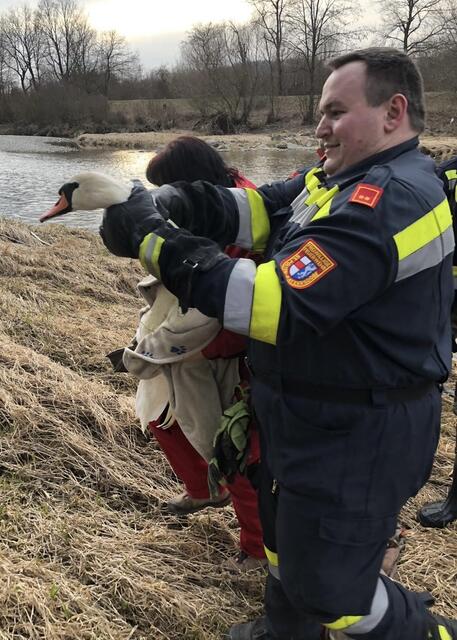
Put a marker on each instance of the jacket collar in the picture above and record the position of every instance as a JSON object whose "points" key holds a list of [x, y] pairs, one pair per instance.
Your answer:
{"points": [[365, 165]]}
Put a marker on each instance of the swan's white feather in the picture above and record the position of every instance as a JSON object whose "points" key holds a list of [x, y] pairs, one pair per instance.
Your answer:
{"points": [[98, 191]]}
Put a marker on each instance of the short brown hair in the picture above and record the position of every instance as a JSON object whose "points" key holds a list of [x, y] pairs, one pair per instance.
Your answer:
{"points": [[389, 71]]}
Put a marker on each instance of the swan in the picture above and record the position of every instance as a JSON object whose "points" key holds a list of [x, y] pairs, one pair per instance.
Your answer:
{"points": [[88, 191]]}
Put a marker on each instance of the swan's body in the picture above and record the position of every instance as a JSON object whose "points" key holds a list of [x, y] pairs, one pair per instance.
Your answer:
{"points": [[89, 191]]}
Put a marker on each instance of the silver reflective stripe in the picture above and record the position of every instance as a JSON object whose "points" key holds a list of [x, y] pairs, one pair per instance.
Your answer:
{"points": [[300, 208], [244, 238], [307, 215], [379, 606], [274, 571], [238, 297], [429, 256], [148, 254]]}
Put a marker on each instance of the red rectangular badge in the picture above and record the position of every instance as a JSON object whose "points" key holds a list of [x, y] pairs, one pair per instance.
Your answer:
{"points": [[366, 194]]}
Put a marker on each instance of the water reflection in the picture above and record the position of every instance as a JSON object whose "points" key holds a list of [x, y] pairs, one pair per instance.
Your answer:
{"points": [[32, 169]]}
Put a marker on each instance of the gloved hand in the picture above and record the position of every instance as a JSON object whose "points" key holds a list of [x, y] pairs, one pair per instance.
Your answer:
{"points": [[180, 257], [231, 446], [126, 224]]}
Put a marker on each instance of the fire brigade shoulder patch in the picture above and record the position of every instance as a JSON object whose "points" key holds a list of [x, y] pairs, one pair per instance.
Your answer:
{"points": [[307, 265], [366, 194]]}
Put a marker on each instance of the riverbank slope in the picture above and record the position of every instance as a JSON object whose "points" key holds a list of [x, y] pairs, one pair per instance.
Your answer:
{"points": [[440, 147], [87, 551]]}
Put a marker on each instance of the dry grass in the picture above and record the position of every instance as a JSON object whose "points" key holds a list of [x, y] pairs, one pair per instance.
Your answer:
{"points": [[85, 550], [441, 108]]}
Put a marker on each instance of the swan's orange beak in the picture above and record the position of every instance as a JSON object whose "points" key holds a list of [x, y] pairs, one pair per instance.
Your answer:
{"points": [[61, 206]]}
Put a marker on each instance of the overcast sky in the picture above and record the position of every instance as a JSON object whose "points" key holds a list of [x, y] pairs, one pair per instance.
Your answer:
{"points": [[154, 28]]}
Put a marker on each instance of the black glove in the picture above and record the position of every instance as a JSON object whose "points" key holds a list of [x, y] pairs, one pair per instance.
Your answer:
{"points": [[199, 207], [125, 225], [182, 256]]}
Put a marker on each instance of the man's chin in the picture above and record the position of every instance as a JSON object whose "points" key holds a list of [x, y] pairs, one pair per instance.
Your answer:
{"points": [[330, 166]]}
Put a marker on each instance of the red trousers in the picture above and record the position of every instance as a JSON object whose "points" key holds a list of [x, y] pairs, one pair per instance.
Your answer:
{"points": [[192, 469]]}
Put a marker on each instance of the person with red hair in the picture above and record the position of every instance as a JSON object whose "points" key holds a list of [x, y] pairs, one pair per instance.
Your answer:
{"points": [[188, 158]]}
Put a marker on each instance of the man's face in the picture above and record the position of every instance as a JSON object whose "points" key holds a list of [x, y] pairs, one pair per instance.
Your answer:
{"points": [[350, 130]]}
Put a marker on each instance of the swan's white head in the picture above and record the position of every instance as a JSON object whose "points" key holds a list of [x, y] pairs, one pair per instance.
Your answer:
{"points": [[89, 191]]}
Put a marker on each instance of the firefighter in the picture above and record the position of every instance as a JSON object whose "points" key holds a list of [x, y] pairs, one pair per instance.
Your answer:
{"points": [[347, 360], [443, 512]]}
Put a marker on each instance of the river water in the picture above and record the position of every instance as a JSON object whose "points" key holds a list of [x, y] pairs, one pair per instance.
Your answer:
{"points": [[32, 169]]}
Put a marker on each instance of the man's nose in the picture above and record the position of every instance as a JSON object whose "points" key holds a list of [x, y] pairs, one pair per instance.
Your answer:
{"points": [[322, 128]]}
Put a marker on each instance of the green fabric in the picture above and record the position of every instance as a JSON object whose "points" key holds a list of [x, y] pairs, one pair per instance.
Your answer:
{"points": [[231, 445]]}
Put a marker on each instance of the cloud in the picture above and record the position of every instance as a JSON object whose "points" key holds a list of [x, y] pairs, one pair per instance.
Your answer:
{"points": [[158, 50]]}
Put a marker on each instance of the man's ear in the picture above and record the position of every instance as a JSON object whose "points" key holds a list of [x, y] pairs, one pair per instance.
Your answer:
{"points": [[396, 111]]}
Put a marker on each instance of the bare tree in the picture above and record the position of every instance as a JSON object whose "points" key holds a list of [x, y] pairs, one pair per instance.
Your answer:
{"points": [[448, 16], [6, 81], [114, 58], [271, 16], [22, 46], [414, 26], [69, 40], [242, 44], [318, 29], [226, 58]]}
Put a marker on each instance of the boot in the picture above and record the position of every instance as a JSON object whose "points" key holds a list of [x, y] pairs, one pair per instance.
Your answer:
{"points": [[184, 504], [394, 548], [244, 563], [254, 630], [440, 514], [440, 628]]}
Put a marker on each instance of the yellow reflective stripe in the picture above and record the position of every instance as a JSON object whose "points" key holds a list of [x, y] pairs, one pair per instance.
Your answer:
{"points": [[313, 185], [325, 202], [272, 557], [451, 174], [311, 180], [151, 263], [260, 223], [444, 633], [315, 195], [266, 304], [342, 623], [423, 231], [454, 271]]}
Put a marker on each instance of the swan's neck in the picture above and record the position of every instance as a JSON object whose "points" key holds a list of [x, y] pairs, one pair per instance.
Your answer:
{"points": [[97, 193]]}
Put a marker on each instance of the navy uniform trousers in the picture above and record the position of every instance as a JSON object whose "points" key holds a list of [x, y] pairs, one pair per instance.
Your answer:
{"points": [[334, 478]]}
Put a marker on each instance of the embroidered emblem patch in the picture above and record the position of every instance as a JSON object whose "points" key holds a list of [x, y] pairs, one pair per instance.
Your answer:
{"points": [[367, 194], [307, 265]]}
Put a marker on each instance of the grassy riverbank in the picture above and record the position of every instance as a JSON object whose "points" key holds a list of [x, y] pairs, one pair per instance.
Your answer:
{"points": [[87, 553], [168, 116], [439, 147]]}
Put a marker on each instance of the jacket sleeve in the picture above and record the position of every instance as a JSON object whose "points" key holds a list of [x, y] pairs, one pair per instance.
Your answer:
{"points": [[327, 270], [319, 277], [448, 174], [239, 216]]}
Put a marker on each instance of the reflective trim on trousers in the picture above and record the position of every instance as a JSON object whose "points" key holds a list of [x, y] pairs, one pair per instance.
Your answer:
{"points": [[363, 624]]}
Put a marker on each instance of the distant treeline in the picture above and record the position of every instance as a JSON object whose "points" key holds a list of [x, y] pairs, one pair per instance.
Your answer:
{"points": [[58, 73]]}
